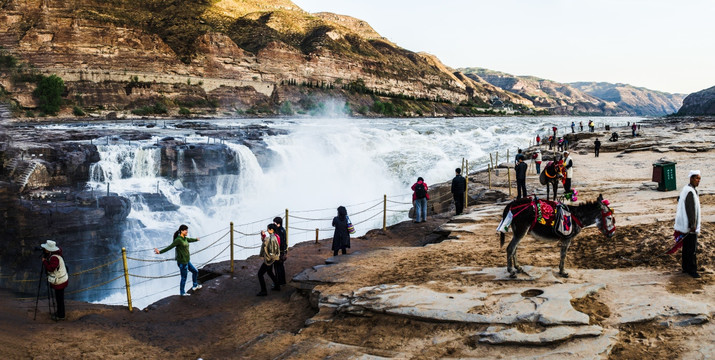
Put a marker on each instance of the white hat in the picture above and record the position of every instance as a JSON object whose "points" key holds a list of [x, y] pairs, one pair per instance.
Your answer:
{"points": [[693, 173], [50, 246]]}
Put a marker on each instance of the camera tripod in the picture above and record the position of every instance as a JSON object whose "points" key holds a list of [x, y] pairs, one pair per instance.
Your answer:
{"points": [[51, 306]]}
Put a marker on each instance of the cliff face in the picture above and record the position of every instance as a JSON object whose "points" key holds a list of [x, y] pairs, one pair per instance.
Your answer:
{"points": [[635, 100], [556, 98], [116, 55], [699, 103]]}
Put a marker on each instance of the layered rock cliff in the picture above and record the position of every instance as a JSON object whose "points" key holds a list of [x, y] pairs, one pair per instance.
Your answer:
{"points": [[634, 100], [699, 103], [233, 54]]}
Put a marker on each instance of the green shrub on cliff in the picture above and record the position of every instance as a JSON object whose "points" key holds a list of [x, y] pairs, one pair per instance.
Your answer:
{"points": [[77, 111], [184, 111], [286, 108], [49, 93]]}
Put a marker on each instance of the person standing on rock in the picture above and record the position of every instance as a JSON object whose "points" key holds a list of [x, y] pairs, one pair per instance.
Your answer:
{"points": [[183, 258], [580, 126], [538, 141], [341, 235], [420, 195], [270, 252], [568, 168], [573, 127], [687, 223], [521, 178], [459, 186], [283, 241], [57, 276], [597, 146], [633, 129]]}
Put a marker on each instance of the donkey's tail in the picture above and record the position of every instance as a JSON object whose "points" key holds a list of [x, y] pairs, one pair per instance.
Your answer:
{"points": [[501, 239]]}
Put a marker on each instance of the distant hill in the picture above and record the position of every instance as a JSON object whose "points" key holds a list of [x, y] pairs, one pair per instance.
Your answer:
{"points": [[699, 103], [635, 100], [556, 98]]}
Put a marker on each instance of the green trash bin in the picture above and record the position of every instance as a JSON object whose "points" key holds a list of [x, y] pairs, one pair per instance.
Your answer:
{"points": [[664, 175]]}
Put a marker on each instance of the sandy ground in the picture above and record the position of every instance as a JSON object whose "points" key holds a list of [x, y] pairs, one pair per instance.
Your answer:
{"points": [[225, 319]]}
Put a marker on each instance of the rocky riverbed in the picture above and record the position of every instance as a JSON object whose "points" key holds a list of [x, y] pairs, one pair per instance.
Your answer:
{"points": [[440, 289]]}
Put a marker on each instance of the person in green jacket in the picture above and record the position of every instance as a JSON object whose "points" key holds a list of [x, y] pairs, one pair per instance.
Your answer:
{"points": [[181, 243]]}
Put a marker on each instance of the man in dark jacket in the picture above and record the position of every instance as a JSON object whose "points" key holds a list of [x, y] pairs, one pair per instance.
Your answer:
{"points": [[279, 264], [521, 178], [459, 186], [597, 146]]}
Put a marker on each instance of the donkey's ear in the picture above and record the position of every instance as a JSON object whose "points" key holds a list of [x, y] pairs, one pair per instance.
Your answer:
{"points": [[600, 197]]}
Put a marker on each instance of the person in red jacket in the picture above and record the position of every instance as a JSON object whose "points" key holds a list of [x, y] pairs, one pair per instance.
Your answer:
{"points": [[419, 198], [57, 275]]}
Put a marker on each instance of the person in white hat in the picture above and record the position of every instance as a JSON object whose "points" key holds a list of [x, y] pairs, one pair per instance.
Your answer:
{"points": [[56, 275], [687, 222]]}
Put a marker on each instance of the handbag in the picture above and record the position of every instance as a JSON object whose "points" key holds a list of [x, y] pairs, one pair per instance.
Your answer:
{"points": [[351, 228]]}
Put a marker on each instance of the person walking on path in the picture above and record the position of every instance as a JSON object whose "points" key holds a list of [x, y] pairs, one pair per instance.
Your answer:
{"points": [[538, 141], [687, 223], [270, 252], [420, 195], [597, 146], [633, 129], [573, 127], [459, 186], [568, 167], [283, 241], [537, 161], [183, 258], [341, 235], [57, 276], [580, 126], [521, 178]]}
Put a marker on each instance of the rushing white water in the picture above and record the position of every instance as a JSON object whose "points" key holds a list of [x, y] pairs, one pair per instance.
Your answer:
{"points": [[319, 165]]}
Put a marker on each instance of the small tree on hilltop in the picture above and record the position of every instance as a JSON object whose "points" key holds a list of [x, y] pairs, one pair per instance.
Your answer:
{"points": [[49, 93]]}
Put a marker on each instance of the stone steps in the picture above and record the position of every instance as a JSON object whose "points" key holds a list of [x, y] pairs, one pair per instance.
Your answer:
{"points": [[24, 173]]}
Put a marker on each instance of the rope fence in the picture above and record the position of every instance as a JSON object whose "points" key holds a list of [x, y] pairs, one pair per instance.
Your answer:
{"points": [[144, 269]]}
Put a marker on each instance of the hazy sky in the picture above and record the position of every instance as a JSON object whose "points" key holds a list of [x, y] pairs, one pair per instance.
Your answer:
{"points": [[658, 44]]}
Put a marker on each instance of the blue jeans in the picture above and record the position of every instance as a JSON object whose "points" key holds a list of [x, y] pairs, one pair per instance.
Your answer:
{"points": [[421, 209], [538, 168], [183, 269]]}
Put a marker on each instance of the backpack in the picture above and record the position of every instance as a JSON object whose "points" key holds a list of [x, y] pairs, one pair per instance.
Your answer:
{"points": [[420, 192], [273, 249]]}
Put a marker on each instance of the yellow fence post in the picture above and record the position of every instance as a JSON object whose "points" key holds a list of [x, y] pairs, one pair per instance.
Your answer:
{"points": [[231, 247], [466, 183], [462, 165], [507, 155], [491, 160], [317, 234], [126, 278], [384, 212], [508, 177], [496, 161]]}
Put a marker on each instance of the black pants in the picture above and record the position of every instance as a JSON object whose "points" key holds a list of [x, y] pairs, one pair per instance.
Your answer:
{"points": [[335, 252], [269, 269], [520, 188], [279, 265], [459, 202], [60, 298], [567, 185], [597, 151], [690, 243]]}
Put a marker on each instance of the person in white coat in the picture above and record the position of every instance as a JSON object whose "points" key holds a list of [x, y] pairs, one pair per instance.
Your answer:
{"points": [[687, 222]]}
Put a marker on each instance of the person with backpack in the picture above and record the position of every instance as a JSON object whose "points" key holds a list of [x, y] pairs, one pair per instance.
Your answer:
{"points": [[419, 199], [279, 265], [270, 252], [341, 235], [183, 258], [57, 276]]}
